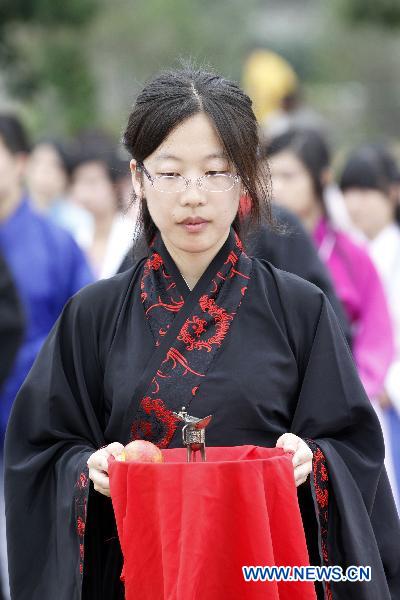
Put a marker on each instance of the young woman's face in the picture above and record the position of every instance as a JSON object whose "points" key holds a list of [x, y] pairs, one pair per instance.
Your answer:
{"points": [[93, 190], [292, 186], [192, 150], [370, 210], [46, 175]]}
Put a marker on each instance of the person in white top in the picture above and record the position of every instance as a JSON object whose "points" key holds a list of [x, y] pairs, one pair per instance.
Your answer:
{"points": [[95, 176], [46, 177], [370, 184]]}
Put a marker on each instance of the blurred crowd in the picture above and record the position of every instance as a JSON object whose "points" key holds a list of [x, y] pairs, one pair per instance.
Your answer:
{"points": [[352, 215], [67, 219]]}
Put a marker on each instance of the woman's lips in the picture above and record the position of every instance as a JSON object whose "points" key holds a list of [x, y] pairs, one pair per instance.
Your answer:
{"points": [[194, 227]]}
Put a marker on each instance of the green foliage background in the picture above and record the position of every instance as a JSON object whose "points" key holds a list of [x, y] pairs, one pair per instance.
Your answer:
{"points": [[77, 64]]}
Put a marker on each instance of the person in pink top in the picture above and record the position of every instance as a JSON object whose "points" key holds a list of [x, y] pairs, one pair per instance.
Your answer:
{"points": [[370, 185], [300, 168]]}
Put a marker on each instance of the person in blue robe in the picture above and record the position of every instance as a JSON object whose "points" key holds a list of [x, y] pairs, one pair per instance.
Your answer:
{"points": [[45, 262]]}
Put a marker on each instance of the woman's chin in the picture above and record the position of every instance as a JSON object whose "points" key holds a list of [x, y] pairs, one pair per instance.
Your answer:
{"points": [[196, 246]]}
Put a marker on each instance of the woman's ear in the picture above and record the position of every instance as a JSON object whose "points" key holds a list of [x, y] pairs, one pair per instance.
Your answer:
{"points": [[136, 179]]}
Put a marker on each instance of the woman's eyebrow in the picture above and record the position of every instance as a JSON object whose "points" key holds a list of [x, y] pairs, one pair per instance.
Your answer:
{"points": [[217, 155], [167, 157], [163, 156]]}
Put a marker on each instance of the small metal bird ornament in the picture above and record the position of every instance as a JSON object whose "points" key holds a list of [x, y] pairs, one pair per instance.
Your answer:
{"points": [[193, 434]]}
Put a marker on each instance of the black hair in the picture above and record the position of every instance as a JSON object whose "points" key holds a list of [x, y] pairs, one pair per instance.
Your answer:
{"points": [[61, 149], [373, 167], [370, 167], [175, 95], [309, 146], [95, 146], [13, 134]]}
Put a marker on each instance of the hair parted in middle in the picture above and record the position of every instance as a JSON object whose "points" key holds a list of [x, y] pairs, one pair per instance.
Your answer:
{"points": [[173, 96]]}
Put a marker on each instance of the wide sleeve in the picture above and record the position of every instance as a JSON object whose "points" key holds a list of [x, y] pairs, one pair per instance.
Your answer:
{"points": [[54, 426], [357, 519], [373, 345], [392, 383]]}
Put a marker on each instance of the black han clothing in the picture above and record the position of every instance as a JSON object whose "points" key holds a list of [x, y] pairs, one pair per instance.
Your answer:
{"points": [[11, 329], [283, 366]]}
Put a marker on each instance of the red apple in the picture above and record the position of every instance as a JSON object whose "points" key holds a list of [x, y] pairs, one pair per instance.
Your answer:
{"points": [[143, 451]]}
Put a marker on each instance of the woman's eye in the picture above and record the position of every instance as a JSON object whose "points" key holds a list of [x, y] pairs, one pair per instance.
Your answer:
{"points": [[217, 173], [168, 174]]}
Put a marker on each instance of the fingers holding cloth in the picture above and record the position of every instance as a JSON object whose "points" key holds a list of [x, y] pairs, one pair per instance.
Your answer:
{"points": [[302, 455], [98, 466]]}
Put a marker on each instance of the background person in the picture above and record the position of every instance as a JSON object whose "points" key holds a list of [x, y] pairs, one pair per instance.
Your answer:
{"points": [[369, 184], [46, 264], [47, 177], [96, 186], [300, 163]]}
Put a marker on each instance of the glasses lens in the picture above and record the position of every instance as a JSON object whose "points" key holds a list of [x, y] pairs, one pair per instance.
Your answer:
{"points": [[169, 183], [218, 183]]}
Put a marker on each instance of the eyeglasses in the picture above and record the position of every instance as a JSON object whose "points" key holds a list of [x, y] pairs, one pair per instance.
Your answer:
{"points": [[171, 184]]}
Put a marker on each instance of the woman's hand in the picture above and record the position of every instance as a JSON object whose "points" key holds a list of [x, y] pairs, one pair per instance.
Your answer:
{"points": [[302, 457], [98, 466]]}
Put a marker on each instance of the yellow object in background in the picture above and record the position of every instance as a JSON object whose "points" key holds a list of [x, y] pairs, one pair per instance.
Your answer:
{"points": [[267, 79]]}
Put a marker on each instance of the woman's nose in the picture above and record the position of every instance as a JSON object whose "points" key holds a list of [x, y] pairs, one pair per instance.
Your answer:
{"points": [[194, 195]]}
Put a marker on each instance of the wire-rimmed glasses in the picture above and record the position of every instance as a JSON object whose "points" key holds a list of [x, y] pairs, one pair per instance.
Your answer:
{"points": [[210, 182]]}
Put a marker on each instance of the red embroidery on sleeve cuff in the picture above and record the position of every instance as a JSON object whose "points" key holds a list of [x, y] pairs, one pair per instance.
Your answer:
{"points": [[81, 493], [321, 489]]}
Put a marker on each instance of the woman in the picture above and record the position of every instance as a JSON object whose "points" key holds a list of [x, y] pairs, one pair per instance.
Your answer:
{"points": [[196, 324], [300, 164], [369, 185], [47, 177], [95, 187]]}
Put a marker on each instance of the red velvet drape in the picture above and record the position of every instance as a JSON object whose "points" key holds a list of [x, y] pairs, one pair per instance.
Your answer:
{"points": [[187, 529]]}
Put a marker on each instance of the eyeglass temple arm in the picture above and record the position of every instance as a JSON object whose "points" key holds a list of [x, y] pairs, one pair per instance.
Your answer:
{"points": [[142, 169]]}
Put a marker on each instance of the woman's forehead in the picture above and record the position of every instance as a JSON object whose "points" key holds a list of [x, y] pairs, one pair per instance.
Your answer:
{"points": [[285, 157], [195, 138]]}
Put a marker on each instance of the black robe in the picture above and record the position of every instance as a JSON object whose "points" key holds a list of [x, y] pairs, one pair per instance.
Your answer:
{"points": [[284, 365], [11, 331]]}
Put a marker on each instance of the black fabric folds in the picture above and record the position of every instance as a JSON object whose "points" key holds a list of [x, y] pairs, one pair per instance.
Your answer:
{"points": [[284, 366]]}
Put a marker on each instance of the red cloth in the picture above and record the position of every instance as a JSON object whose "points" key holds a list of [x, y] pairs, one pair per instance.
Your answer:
{"points": [[186, 529]]}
